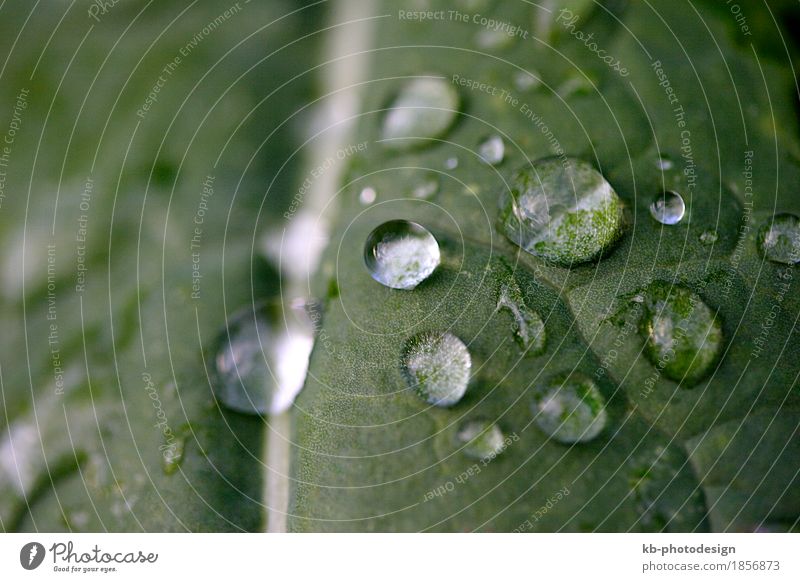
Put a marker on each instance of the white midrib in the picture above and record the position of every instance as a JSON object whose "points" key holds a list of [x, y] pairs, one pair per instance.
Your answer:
{"points": [[346, 45]]}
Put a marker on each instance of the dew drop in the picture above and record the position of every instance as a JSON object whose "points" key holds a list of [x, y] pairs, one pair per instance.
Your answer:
{"points": [[425, 108], [526, 80], [262, 359], [401, 254], [427, 188], [492, 150], [437, 366], [668, 208], [570, 409], [709, 237], [481, 439], [663, 163], [683, 336], [494, 39], [451, 163], [779, 239], [367, 196], [528, 326], [563, 211]]}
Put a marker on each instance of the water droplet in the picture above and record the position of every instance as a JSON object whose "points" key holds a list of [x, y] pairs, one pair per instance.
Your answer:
{"points": [[451, 163], [481, 439], [562, 211], [577, 85], [437, 366], [709, 237], [262, 359], [526, 80], [425, 108], [570, 409], [683, 336], [529, 329], [173, 450], [401, 254], [668, 208], [492, 150], [426, 188], [779, 239], [367, 196], [663, 162], [493, 39]]}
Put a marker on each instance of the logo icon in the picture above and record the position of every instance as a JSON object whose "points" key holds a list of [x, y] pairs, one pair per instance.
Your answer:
{"points": [[31, 555]]}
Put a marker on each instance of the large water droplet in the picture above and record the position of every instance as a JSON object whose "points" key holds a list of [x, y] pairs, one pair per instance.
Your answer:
{"points": [[425, 108], [668, 208], [437, 366], [262, 360], [481, 439], [401, 254], [492, 150], [779, 239], [561, 210], [528, 327], [683, 335], [570, 409]]}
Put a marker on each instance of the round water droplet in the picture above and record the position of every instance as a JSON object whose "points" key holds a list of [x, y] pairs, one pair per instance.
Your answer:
{"points": [[663, 162], [401, 254], [451, 163], [562, 211], [437, 366], [424, 109], [426, 188], [709, 237], [779, 239], [668, 208], [526, 80], [481, 439], [570, 409], [494, 39], [492, 150], [367, 196], [262, 359], [683, 336]]}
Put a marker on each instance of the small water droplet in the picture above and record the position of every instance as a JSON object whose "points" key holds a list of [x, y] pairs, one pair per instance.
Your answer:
{"points": [[493, 39], [526, 80], [779, 239], [173, 450], [668, 208], [709, 237], [451, 163], [663, 162], [437, 366], [492, 150], [563, 211], [367, 196], [577, 85], [528, 326], [683, 336], [424, 109], [570, 409], [401, 254], [427, 188], [481, 439], [262, 359]]}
